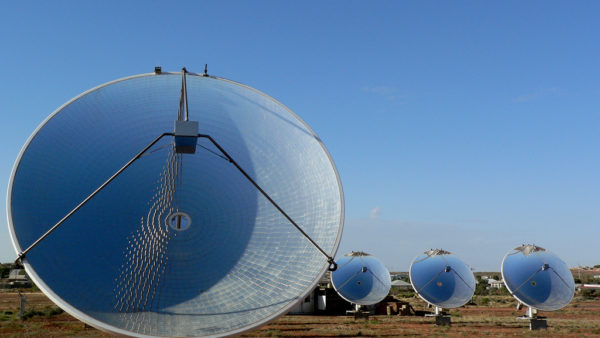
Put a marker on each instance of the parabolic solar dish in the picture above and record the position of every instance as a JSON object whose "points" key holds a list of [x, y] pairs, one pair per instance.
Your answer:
{"points": [[538, 278], [361, 279], [442, 279], [179, 243]]}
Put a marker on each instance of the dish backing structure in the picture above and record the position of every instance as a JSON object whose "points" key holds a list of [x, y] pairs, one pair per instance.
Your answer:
{"points": [[361, 278], [142, 217]]}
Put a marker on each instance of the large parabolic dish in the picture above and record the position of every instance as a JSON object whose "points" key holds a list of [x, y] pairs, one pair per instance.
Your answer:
{"points": [[538, 278], [442, 279], [361, 278], [178, 244]]}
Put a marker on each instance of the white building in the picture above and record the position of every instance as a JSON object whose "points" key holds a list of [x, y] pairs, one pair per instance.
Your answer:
{"points": [[497, 284]]}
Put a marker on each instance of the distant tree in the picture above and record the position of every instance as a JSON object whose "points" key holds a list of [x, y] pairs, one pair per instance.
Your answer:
{"points": [[481, 287], [502, 291], [4, 271], [597, 266]]}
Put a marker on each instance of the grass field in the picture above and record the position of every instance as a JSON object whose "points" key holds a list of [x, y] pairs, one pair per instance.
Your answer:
{"points": [[498, 317]]}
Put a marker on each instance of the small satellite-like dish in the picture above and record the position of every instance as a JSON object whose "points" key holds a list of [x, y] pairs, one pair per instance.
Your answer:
{"points": [[361, 278], [141, 217], [442, 280], [539, 279]]}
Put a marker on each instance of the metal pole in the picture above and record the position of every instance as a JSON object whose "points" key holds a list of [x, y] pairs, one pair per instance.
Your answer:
{"points": [[184, 92], [23, 302]]}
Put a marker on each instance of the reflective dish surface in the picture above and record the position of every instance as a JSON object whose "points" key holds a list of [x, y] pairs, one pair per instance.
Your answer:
{"points": [[178, 244], [361, 279], [442, 279], [538, 278]]}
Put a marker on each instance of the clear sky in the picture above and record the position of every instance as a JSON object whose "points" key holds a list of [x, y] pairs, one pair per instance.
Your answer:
{"points": [[468, 126]]}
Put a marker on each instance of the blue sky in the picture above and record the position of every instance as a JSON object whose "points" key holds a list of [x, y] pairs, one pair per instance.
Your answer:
{"points": [[468, 126]]}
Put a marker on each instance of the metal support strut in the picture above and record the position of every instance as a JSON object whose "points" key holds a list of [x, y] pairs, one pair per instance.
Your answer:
{"points": [[182, 114], [332, 264], [330, 260], [24, 252]]}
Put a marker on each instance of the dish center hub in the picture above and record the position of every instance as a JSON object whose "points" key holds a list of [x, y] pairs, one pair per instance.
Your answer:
{"points": [[179, 221]]}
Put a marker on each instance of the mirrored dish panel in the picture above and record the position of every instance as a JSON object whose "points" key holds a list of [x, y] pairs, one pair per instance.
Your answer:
{"points": [[538, 278], [178, 244], [442, 279], [361, 279]]}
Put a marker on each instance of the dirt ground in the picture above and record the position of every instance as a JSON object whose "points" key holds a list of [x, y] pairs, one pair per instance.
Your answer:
{"points": [[498, 318]]}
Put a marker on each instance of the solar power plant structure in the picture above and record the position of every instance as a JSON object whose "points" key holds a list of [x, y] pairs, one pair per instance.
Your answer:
{"points": [[442, 279], [181, 241], [361, 279], [538, 278]]}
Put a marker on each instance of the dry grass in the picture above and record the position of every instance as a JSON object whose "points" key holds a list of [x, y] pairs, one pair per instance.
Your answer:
{"points": [[580, 319]]}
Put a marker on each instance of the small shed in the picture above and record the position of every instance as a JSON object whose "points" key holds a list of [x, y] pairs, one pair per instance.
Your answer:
{"points": [[307, 305], [18, 275], [401, 285]]}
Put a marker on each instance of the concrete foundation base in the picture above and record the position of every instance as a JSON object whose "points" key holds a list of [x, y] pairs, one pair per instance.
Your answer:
{"points": [[441, 319], [537, 323], [359, 314]]}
